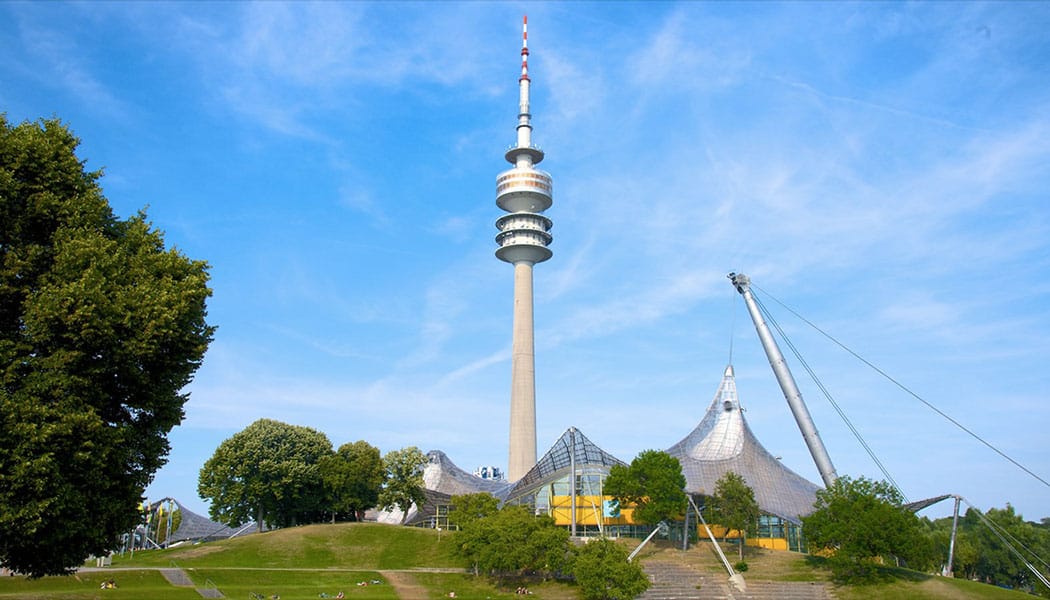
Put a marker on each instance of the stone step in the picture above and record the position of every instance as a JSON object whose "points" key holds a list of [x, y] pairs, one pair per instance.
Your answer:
{"points": [[177, 577], [673, 581], [785, 590]]}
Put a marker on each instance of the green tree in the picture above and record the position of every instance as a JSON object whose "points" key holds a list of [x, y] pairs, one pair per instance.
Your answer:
{"points": [[733, 506], [352, 478], [404, 480], [964, 563], [602, 572], [468, 508], [653, 484], [860, 521], [513, 541], [996, 563], [101, 328], [267, 472]]}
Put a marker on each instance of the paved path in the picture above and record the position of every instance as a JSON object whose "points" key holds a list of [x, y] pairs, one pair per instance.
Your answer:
{"points": [[404, 584], [177, 577]]}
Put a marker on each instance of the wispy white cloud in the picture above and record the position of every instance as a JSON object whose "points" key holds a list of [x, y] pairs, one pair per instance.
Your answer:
{"points": [[357, 196], [60, 64], [500, 356]]}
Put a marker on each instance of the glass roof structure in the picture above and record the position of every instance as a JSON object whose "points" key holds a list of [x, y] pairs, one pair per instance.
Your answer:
{"points": [[571, 447], [197, 528]]}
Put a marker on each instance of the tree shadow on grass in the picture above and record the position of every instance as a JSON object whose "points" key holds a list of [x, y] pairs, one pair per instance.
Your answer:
{"points": [[870, 573]]}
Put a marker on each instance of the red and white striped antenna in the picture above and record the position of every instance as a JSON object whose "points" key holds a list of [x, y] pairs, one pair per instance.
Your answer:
{"points": [[525, 47]]}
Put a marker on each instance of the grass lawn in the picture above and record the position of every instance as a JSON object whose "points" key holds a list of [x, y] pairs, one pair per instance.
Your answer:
{"points": [[131, 585], [289, 584], [931, 588], [295, 584], [468, 587]]}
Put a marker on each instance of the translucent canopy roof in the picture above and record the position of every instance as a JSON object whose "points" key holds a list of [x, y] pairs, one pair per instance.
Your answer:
{"points": [[443, 476], [723, 442]]}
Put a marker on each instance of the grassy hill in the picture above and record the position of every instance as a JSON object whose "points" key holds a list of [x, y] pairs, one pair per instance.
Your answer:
{"points": [[297, 563], [413, 564], [344, 545]]}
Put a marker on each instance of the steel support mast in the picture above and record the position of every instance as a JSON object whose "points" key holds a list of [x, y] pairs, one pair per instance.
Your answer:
{"points": [[787, 383]]}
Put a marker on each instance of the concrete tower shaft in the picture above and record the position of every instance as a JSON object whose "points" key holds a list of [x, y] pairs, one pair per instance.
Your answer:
{"points": [[523, 192]]}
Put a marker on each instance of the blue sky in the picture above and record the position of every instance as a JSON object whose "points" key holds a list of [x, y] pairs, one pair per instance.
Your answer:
{"points": [[881, 168]]}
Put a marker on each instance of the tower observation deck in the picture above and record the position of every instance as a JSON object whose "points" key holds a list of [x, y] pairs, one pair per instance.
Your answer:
{"points": [[523, 192]]}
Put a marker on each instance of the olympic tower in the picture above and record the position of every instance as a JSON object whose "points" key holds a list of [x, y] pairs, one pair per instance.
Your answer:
{"points": [[523, 192]]}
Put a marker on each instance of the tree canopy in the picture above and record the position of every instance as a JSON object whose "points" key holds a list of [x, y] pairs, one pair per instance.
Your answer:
{"points": [[653, 484], [353, 477], [512, 541], [269, 473], [980, 553], [404, 480], [603, 573], [468, 508], [859, 521], [733, 506], [101, 328]]}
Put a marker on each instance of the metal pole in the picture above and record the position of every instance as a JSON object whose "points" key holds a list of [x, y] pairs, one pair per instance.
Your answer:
{"points": [[951, 545], [735, 578], [572, 480], [652, 534], [711, 535], [685, 530], [167, 531], [787, 383], [145, 534]]}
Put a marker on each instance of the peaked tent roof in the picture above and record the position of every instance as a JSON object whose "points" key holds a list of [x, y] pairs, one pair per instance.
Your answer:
{"points": [[443, 476], [723, 442], [442, 479]]}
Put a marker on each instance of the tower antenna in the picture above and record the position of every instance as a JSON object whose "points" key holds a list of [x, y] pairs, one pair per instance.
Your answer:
{"points": [[525, 47]]}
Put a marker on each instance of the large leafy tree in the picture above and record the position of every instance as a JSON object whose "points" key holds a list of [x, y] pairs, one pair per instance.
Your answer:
{"points": [[468, 508], [269, 473], [861, 521], [733, 506], [602, 572], [404, 480], [995, 562], [653, 484], [353, 477], [513, 541], [101, 328], [981, 554]]}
